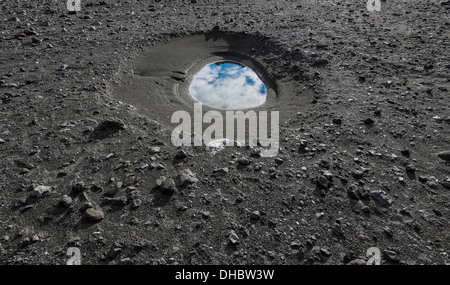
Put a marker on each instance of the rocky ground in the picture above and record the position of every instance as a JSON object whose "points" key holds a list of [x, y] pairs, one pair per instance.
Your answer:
{"points": [[364, 164]]}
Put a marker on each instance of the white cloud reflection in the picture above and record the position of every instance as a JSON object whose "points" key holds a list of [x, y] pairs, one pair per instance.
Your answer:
{"points": [[228, 86]]}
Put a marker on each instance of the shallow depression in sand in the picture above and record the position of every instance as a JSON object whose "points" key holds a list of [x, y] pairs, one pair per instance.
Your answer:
{"points": [[228, 85], [223, 71]]}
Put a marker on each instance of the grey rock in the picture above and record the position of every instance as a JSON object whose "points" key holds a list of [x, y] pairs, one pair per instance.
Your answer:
{"points": [[372, 59], [115, 250], [24, 242], [136, 203], [234, 239], [357, 174], [85, 206], [35, 40], [295, 245], [410, 168], [119, 201], [35, 238], [322, 182], [19, 203], [369, 121], [244, 161], [256, 152], [63, 67], [26, 208], [39, 191], [388, 231], [357, 262], [337, 121], [446, 183], [256, 215], [154, 165], [65, 201], [391, 256], [365, 209], [93, 215], [79, 187], [423, 179], [381, 197], [181, 154], [206, 215], [132, 195], [406, 152], [328, 175], [154, 150], [124, 261], [337, 231], [222, 171], [303, 144], [107, 128], [325, 252], [353, 191], [320, 62], [168, 185], [185, 177], [444, 155], [320, 215], [363, 193]]}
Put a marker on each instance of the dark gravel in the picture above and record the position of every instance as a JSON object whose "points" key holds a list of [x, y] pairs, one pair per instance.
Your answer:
{"points": [[367, 156]]}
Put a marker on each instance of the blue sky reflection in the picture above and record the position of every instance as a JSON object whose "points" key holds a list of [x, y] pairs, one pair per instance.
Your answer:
{"points": [[228, 86]]}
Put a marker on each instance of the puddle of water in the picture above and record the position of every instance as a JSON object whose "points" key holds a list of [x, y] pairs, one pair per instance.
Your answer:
{"points": [[228, 86]]}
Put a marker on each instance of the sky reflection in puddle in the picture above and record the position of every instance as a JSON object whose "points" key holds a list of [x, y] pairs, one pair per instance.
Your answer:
{"points": [[228, 86]]}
